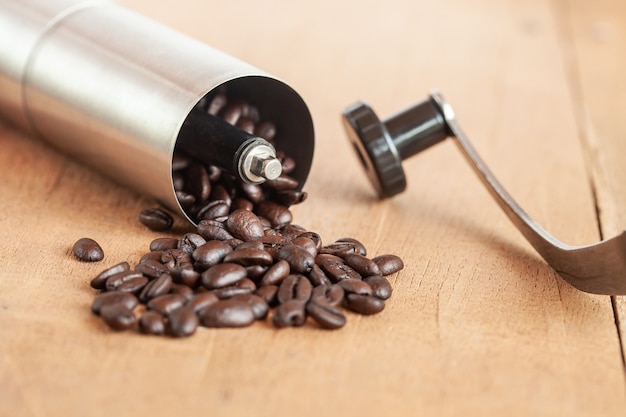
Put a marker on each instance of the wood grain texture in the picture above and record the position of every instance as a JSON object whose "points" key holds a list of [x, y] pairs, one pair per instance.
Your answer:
{"points": [[478, 323]]}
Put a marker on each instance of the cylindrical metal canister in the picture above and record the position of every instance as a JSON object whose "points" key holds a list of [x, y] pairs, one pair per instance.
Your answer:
{"points": [[112, 88]]}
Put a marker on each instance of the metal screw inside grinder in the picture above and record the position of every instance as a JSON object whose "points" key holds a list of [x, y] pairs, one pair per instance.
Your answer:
{"points": [[382, 146], [257, 161]]}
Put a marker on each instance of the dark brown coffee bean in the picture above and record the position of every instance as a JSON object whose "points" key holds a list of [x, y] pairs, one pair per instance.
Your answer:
{"points": [[253, 192], [259, 306], [151, 269], [306, 243], [231, 291], [233, 243], [251, 244], [185, 275], [163, 244], [337, 270], [364, 266], [291, 231], [317, 276], [326, 315], [231, 113], [289, 313], [265, 130], [246, 124], [227, 313], [87, 250], [190, 242], [173, 258], [255, 272], [222, 275], [201, 301], [317, 239], [244, 225], [290, 198], [213, 230], [133, 285], [213, 210], [197, 182], [183, 322], [358, 246], [211, 253], [353, 286], [241, 204], [268, 293], [299, 259], [114, 297], [388, 264], [364, 304], [282, 183], [156, 219], [277, 214], [99, 281], [152, 256], [182, 290], [276, 273], [152, 322], [161, 285], [273, 243], [116, 280], [247, 257], [332, 295], [381, 288], [117, 316], [180, 161], [219, 192], [167, 303], [295, 287], [185, 199]]}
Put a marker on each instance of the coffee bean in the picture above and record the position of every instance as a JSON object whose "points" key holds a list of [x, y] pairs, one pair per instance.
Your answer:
{"points": [[251, 244], [317, 239], [244, 225], [317, 276], [337, 270], [388, 264], [167, 303], [197, 182], [173, 258], [180, 161], [152, 322], [99, 281], [265, 130], [282, 183], [364, 304], [332, 295], [380, 286], [259, 306], [163, 244], [231, 291], [209, 254], [268, 293], [117, 316], [156, 219], [325, 315], [182, 290], [114, 297], [299, 259], [213, 230], [227, 313], [247, 257], [307, 244], [364, 266], [277, 214], [253, 192], [115, 281], [241, 204], [201, 301], [213, 210], [152, 256], [183, 322], [190, 242], [289, 313], [222, 275], [151, 269], [220, 193], [358, 246], [133, 285], [255, 272], [295, 287], [276, 273], [353, 286], [87, 250], [159, 286], [185, 275], [290, 197], [186, 200]]}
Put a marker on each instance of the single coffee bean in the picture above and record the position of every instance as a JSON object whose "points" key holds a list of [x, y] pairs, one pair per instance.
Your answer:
{"points": [[337, 270], [290, 197], [183, 322], [288, 163], [277, 214], [231, 291], [244, 225], [211, 253], [259, 306], [87, 250], [180, 161], [163, 244], [300, 260], [327, 316], [133, 285], [227, 313], [364, 266], [332, 295], [295, 287], [116, 280], [117, 316], [290, 231], [185, 275], [381, 288], [186, 200], [114, 297], [151, 269], [276, 273], [272, 243], [268, 293], [317, 239], [253, 192], [358, 246], [197, 182], [317, 276], [161, 285], [231, 113], [364, 304], [154, 256], [190, 242], [222, 275], [182, 290], [173, 258], [152, 322], [388, 264], [99, 281], [255, 272], [166, 303], [201, 301], [233, 242], [218, 193], [241, 204], [246, 124], [251, 244], [289, 313], [307, 244], [247, 257], [213, 210], [265, 130], [156, 219], [353, 286], [213, 230], [282, 183]]}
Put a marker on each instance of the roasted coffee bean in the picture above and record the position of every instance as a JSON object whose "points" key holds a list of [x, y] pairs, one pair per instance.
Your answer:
{"points": [[253, 192], [231, 291], [219, 192], [183, 290], [197, 182], [244, 225], [176, 258], [358, 246], [353, 286], [201, 301], [247, 257], [183, 322], [151, 269], [117, 316], [186, 200], [326, 315], [306, 243], [317, 276], [317, 239], [178, 181], [156, 219], [381, 288], [273, 243], [259, 306], [241, 204], [163, 244], [222, 275], [265, 130], [364, 304], [190, 242], [213, 230], [282, 183], [99, 281], [116, 280], [251, 244], [268, 293], [133, 285], [295, 287], [246, 124], [152, 256], [213, 210], [289, 313], [87, 250], [276, 273], [152, 322], [255, 272], [290, 198], [161, 285], [291, 231], [167, 303], [299, 259], [337, 270], [364, 266], [114, 297], [185, 275], [180, 161], [277, 214], [388, 264], [227, 313], [332, 295], [211, 253]]}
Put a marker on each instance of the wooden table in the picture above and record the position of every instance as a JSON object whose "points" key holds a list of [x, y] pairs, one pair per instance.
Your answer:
{"points": [[478, 323]]}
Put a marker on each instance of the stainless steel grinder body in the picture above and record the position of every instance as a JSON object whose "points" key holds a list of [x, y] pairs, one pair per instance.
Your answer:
{"points": [[113, 88]]}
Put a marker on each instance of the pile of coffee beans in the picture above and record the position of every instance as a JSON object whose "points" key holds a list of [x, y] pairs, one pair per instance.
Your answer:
{"points": [[246, 261]]}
